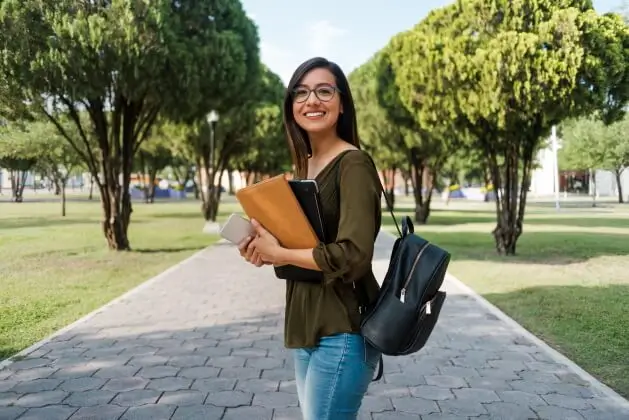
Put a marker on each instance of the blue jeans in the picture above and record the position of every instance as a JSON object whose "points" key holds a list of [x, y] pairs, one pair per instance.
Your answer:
{"points": [[333, 377]]}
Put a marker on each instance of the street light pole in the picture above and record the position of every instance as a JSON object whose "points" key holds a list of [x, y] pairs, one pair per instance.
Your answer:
{"points": [[212, 118], [555, 147]]}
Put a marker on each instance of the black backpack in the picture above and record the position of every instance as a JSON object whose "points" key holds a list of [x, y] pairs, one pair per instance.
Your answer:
{"points": [[405, 313]]}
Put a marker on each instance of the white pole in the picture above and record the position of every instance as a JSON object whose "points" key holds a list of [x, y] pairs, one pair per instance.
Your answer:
{"points": [[555, 146]]}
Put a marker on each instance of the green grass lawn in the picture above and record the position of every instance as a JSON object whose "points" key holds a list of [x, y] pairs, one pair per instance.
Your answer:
{"points": [[569, 283], [55, 269]]}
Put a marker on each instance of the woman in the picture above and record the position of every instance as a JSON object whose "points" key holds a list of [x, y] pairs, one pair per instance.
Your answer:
{"points": [[333, 363]]}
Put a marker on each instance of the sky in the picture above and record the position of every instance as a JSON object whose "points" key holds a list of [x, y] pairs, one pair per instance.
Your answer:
{"points": [[348, 32]]}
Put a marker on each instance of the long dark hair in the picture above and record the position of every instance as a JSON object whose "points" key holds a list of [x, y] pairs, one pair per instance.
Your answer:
{"points": [[297, 137]]}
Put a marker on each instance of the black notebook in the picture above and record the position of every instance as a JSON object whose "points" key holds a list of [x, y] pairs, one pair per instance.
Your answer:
{"points": [[307, 193]]}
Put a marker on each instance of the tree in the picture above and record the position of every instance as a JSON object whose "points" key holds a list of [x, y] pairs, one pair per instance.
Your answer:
{"points": [[378, 134], [240, 131], [589, 143], [426, 148], [154, 156], [57, 160], [504, 72], [124, 62], [18, 155], [37, 146], [266, 152]]}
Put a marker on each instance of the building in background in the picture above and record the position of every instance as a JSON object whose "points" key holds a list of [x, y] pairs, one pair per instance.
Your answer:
{"points": [[577, 181]]}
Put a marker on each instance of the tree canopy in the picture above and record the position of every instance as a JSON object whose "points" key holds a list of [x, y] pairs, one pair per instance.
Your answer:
{"points": [[494, 77], [589, 143], [122, 63]]}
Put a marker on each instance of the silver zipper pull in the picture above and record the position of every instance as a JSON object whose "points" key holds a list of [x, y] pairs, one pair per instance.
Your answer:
{"points": [[428, 308], [402, 295]]}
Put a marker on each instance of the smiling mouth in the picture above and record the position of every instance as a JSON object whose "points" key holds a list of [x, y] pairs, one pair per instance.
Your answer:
{"points": [[317, 114]]}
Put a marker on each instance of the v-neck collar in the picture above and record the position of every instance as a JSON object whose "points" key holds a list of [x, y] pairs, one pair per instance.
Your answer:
{"points": [[331, 164]]}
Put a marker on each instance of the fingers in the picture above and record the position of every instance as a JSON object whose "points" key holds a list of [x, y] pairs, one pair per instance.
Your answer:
{"points": [[256, 259], [258, 227], [247, 249], [242, 246]]}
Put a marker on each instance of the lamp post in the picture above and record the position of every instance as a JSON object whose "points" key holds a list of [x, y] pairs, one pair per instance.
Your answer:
{"points": [[212, 119], [555, 147]]}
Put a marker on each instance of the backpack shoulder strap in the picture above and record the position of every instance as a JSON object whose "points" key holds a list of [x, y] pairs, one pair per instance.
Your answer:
{"points": [[382, 190], [361, 294]]}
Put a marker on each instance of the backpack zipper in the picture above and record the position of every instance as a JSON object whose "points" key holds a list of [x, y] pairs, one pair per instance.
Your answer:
{"points": [[410, 274]]}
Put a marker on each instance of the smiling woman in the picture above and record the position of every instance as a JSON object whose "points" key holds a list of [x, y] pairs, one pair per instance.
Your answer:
{"points": [[323, 317]]}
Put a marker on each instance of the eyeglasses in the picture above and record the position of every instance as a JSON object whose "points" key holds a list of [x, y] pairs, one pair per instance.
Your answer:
{"points": [[324, 93]]}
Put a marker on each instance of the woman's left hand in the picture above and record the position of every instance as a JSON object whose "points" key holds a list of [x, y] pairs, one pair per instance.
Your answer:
{"points": [[267, 246]]}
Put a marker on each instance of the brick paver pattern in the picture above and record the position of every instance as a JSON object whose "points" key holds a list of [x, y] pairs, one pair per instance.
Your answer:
{"points": [[205, 342]]}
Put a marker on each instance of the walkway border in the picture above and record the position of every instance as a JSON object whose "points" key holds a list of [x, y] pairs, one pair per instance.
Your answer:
{"points": [[147, 283], [554, 354]]}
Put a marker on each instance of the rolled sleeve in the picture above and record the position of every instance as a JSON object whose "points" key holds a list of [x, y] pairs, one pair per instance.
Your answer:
{"points": [[349, 258]]}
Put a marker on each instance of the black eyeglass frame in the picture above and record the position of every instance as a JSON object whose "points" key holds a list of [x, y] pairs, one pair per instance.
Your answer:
{"points": [[310, 91]]}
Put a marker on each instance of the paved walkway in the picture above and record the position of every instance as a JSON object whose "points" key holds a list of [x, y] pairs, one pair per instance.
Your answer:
{"points": [[204, 341]]}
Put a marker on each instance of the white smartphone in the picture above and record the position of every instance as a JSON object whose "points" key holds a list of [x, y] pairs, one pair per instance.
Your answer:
{"points": [[236, 229]]}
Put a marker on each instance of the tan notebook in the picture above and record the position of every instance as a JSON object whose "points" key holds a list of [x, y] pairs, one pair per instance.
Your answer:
{"points": [[272, 203]]}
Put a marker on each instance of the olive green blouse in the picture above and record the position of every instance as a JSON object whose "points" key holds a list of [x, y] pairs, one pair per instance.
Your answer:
{"points": [[318, 310]]}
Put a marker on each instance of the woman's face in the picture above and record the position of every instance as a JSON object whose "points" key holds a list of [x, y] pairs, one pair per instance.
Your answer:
{"points": [[316, 102]]}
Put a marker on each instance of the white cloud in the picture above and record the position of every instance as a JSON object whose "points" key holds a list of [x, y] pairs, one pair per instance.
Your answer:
{"points": [[322, 36]]}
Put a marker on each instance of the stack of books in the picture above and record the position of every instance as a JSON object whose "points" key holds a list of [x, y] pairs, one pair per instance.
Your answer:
{"points": [[289, 210]]}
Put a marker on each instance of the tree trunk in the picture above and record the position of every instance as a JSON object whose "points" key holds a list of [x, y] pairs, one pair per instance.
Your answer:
{"points": [[422, 212], [198, 182], [211, 203], [506, 237], [618, 173], [152, 173], [507, 230], [511, 190], [210, 194], [230, 179], [144, 174], [63, 198], [594, 189], [18, 181], [113, 223], [91, 196], [116, 200], [421, 181], [195, 187], [391, 187]]}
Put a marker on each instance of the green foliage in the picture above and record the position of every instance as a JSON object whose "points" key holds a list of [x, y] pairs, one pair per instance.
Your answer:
{"points": [[379, 135], [39, 142], [159, 53], [156, 152], [265, 151], [124, 63], [590, 144], [18, 150], [480, 84]]}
